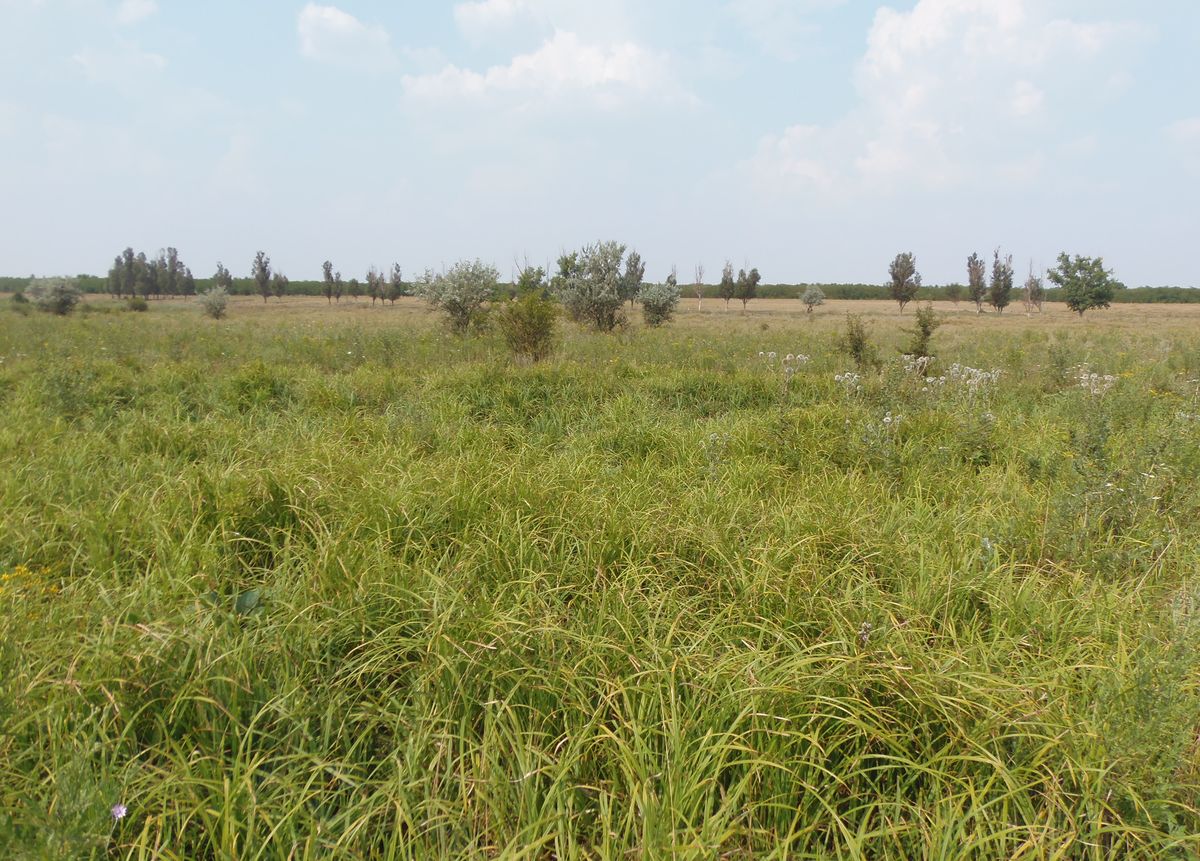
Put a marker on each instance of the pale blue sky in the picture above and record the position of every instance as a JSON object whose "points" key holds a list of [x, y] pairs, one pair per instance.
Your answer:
{"points": [[812, 138]]}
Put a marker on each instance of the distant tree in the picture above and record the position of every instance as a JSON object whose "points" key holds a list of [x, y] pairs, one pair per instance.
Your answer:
{"points": [[1085, 283], [631, 281], [223, 278], [189, 282], [327, 281], [728, 287], [279, 285], [659, 301], [116, 279], [375, 284], [128, 272], [531, 279], [1035, 291], [395, 284], [590, 290], [261, 272], [746, 286], [976, 283], [338, 286], [1000, 294], [699, 286], [462, 293], [954, 292], [144, 275], [354, 288], [162, 275], [173, 266], [568, 267], [812, 297], [54, 295], [905, 280]]}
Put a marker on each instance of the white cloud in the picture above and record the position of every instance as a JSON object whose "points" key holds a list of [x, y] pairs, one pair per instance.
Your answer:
{"points": [[478, 18], [1025, 99], [781, 27], [132, 11], [329, 35], [564, 64], [493, 20], [947, 91], [124, 68]]}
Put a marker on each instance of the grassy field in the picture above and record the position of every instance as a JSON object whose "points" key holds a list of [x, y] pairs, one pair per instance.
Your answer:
{"points": [[315, 582]]}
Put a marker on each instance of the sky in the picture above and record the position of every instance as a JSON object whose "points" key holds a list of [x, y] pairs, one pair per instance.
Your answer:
{"points": [[814, 139]]}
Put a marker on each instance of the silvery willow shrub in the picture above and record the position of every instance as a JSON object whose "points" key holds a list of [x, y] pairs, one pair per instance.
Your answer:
{"points": [[590, 291], [813, 297], [529, 325], [53, 295], [659, 302], [213, 302], [461, 294]]}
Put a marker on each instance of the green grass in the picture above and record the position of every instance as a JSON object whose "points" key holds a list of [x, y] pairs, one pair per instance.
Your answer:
{"points": [[345, 587]]}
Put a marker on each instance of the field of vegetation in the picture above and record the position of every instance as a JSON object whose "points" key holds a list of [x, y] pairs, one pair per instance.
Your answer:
{"points": [[316, 582]]}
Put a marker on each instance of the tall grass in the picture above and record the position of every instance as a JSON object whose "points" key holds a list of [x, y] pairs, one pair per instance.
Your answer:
{"points": [[294, 590]]}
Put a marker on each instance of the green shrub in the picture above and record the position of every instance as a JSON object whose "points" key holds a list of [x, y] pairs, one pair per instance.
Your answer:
{"points": [[137, 303], [927, 324], [857, 344], [529, 325]]}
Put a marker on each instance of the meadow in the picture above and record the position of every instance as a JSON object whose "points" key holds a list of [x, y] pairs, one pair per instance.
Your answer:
{"points": [[321, 582]]}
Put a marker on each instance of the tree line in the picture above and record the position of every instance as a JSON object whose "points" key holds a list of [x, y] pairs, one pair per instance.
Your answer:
{"points": [[1083, 283]]}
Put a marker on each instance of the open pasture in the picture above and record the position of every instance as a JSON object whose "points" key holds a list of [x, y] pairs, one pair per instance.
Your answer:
{"points": [[317, 582]]}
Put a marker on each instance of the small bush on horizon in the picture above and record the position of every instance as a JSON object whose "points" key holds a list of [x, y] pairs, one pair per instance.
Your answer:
{"points": [[137, 303], [214, 301], [813, 297]]}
